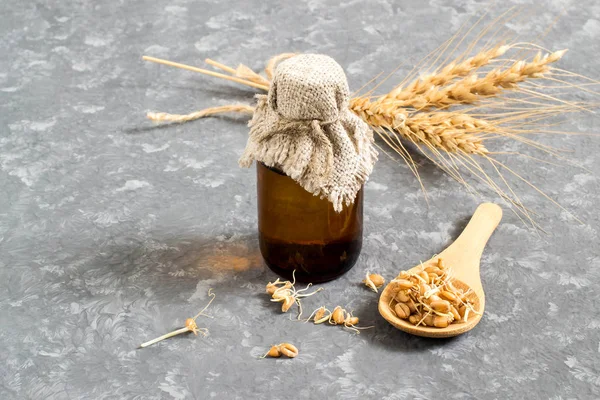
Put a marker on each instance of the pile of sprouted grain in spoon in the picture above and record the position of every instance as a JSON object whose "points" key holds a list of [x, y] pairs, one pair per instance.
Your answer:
{"points": [[428, 297]]}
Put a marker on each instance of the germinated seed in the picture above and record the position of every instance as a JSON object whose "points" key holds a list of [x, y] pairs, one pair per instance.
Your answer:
{"points": [[338, 316], [441, 306], [402, 296], [404, 283], [402, 310], [455, 313], [440, 321]]}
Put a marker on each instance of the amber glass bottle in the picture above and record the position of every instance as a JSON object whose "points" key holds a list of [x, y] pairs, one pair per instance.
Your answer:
{"points": [[299, 231]]}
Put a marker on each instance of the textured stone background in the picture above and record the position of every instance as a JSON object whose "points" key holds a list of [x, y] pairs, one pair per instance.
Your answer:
{"points": [[112, 230]]}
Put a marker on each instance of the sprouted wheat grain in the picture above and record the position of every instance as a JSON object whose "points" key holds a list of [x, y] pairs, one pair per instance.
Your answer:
{"points": [[286, 349], [190, 326], [338, 316], [286, 293], [373, 281], [319, 316]]}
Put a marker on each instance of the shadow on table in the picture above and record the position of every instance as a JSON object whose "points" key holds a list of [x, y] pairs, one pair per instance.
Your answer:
{"points": [[145, 128], [386, 336], [169, 269]]}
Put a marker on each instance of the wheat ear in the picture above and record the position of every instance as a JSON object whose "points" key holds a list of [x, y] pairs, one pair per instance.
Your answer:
{"points": [[473, 88], [447, 74]]}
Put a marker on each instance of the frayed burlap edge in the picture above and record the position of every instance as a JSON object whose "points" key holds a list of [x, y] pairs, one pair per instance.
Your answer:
{"points": [[278, 148]]}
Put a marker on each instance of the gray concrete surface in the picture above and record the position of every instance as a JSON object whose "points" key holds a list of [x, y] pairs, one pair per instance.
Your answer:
{"points": [[113, 230]]}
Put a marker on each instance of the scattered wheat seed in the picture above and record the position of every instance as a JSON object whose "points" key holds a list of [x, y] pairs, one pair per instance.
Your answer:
{"points": [[190, 326], [338, 316], [287, 303], [374, 281], [286, 349], [281, 294], [273, 352], [271, 288], [320, 315], [286, 293]]}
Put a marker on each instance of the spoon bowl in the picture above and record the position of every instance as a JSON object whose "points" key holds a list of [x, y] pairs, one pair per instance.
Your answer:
{"points": [[463, 257]]}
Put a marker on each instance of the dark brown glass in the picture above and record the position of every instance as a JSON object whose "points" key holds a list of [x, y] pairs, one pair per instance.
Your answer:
{"points": [[299, 231]]}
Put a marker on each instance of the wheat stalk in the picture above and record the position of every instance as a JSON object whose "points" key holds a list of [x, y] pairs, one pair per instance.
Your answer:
{"points": [[418, 113], [241, 71], [180, 118]]}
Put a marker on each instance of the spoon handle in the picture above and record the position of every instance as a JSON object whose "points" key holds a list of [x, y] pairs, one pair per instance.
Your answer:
{"points": [[476, 234]]}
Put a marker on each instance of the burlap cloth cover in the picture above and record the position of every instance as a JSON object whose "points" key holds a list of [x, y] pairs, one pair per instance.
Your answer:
{"points": [[303, 127]]}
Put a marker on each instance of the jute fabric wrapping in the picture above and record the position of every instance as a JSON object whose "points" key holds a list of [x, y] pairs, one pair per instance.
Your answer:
{"points": [[303, 127]]}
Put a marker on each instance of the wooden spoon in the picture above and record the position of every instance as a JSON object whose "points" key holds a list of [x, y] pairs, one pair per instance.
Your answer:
{"points": [[463, 257]]}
